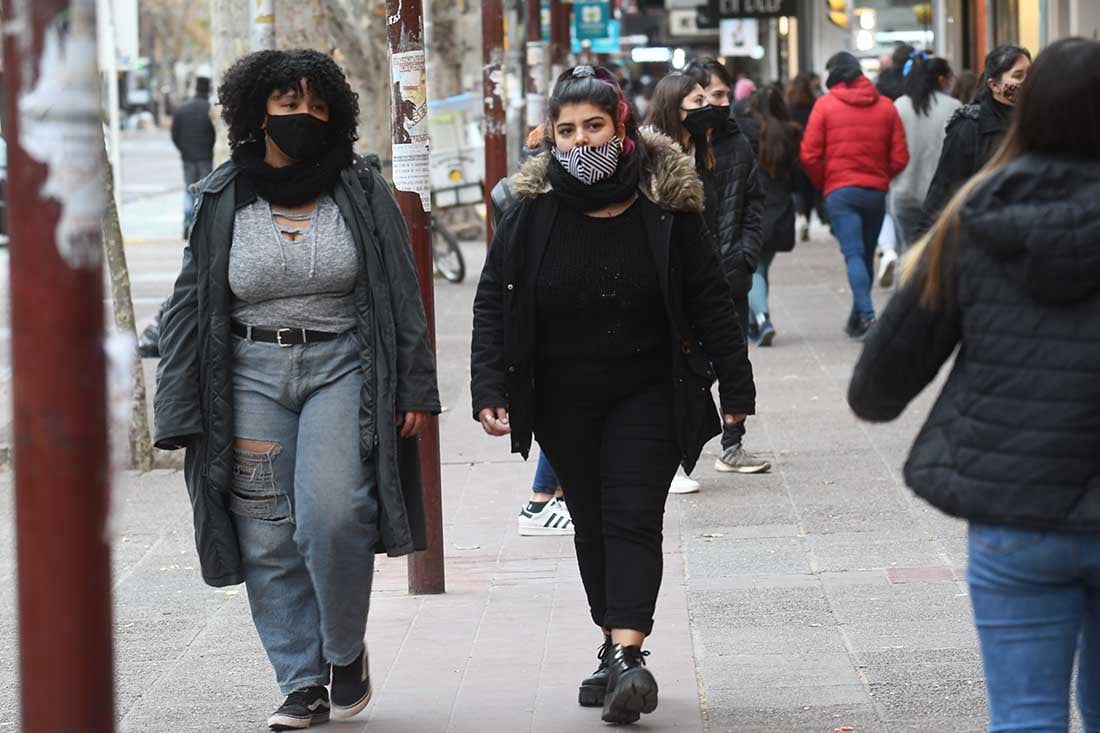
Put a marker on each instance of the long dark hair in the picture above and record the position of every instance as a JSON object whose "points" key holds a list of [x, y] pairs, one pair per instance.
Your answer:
{"points": [[997, 62], [597, 86], [800, 91], [1065, 76], [664, 114], [779, 136], [924, 81], [965, 86]]}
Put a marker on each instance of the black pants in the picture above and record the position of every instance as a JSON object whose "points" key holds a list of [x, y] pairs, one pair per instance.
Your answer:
{"points": [[732, 434], [615, 455]]}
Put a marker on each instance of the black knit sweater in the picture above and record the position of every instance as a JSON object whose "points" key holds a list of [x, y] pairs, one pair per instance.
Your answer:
{"points": [[598, 303]]}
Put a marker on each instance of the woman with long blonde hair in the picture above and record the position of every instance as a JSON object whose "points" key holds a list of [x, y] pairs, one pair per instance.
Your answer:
{"points": [[1008, 280]]}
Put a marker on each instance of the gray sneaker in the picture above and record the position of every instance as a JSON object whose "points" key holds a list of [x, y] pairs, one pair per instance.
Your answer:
{"points": [[736, 459]]}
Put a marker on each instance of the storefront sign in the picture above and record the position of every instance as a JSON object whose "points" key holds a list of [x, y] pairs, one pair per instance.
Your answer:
{"points": [[721, 9], [591, 19]]}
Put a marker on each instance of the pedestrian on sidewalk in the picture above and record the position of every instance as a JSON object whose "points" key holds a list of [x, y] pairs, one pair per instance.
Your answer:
{"points": [[600, 320], [1008, 281], [853, 147], [976, 130], [296, 372], [776, 139], [194, 136], [800, 102], [725, 161], [925, 109]]}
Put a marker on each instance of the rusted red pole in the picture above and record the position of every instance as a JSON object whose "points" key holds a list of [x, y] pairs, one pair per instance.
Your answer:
{"points": [[536, 65], [412, 179], [56, 193], [559, 38], [496, 153]]}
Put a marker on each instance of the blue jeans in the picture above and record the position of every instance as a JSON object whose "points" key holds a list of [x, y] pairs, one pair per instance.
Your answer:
{"points": [[758, 296], [305, 506], [546, 481], [857, 215], [193, 172], [1036, 599]]}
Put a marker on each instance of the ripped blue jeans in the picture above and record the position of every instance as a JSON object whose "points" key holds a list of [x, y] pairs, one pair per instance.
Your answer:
{"points": [[304, 505]]}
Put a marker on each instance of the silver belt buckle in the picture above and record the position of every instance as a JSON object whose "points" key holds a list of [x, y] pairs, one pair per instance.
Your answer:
{"points": [[279, 337]]}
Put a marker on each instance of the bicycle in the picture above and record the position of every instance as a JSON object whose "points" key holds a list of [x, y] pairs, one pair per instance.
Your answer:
{"points": [[446, 253]]}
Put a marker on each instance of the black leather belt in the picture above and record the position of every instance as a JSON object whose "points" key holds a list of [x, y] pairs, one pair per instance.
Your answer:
{"points": [[282, 336]]}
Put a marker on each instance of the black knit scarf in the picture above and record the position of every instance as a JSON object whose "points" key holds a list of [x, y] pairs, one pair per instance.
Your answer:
{"points": [[619, 187], [294, 184]]}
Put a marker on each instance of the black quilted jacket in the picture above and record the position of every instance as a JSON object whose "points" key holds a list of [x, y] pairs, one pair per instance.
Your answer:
{"points": [[194, 399], [1014, 438], [736, 221]]}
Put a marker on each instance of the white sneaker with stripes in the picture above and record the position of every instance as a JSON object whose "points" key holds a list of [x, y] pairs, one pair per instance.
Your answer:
{"points": [[554, 519]]}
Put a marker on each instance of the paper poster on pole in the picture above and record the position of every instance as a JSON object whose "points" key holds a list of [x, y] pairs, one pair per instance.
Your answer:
{"points": [[411, 142]]}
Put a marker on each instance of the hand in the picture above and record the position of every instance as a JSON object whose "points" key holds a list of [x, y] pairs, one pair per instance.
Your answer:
{"points": [[412, 423], [494, 420], [734, 419]]}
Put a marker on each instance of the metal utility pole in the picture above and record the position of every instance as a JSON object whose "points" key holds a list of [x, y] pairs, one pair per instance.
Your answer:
{"points": [[412, 179], [57, 184], [560, 12], [536, 66], [263, 25], [496, 151]]}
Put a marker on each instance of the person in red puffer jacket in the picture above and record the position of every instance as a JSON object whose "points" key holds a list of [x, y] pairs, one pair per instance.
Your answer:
{"points": [[854, 145]]}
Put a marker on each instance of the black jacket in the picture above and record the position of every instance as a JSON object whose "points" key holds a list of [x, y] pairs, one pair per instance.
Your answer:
{"points": [[706, 338], [736, 222], [194, 398], [891, 83], [193, 131], [1014, 437], [777, 217], [973, 135]]}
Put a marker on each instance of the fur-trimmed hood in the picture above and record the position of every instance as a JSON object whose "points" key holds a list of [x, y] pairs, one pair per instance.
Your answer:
{"points": [[669, 178]]}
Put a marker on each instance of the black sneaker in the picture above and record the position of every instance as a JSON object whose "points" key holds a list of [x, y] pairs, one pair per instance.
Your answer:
{"points": [[852, 324], [303, 708], [860, 331], [594, 688], [351, 688], [631, 688]]}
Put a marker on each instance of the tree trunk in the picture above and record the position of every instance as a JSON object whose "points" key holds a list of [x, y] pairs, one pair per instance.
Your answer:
{"points": [[358, 28], [229, 39], [141, 443], [303, 24], [447, 48]]}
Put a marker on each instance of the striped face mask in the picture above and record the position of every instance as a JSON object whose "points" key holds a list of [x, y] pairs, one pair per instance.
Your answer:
{"points": [[591, 165]]}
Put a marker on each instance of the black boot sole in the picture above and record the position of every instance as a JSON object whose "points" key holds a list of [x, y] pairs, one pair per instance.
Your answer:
{"points": [[634, 693], [592, 696]]}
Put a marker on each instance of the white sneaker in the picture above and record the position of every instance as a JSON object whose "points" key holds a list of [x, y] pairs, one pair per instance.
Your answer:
{"points": [[887, 263], [554, 519], [683, 484]]}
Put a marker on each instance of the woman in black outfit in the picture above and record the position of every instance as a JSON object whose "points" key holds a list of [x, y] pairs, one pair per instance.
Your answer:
{"points": [[1009, 282], [600, 322], [976, 130], [807, 198]]}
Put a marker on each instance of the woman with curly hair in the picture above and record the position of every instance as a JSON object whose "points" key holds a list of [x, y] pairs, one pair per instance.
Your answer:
{"points": [[296, 371]]}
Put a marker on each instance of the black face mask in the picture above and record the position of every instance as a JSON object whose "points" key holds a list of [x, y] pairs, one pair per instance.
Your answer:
{"points": [[699, 121], [719, 116], [302, 137]]}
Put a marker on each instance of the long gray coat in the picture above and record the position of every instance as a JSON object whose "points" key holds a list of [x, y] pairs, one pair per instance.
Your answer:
{"points": [[194, 399]]}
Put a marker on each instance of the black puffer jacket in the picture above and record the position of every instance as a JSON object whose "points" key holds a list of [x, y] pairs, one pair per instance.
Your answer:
{"points": [[706, 338], [736, 221], [973, 135], [1014, 437], [194, 399]]}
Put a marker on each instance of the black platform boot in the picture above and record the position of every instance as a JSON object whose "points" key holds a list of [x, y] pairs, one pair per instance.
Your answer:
{"points": [[594, 688], [631, 688]]}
